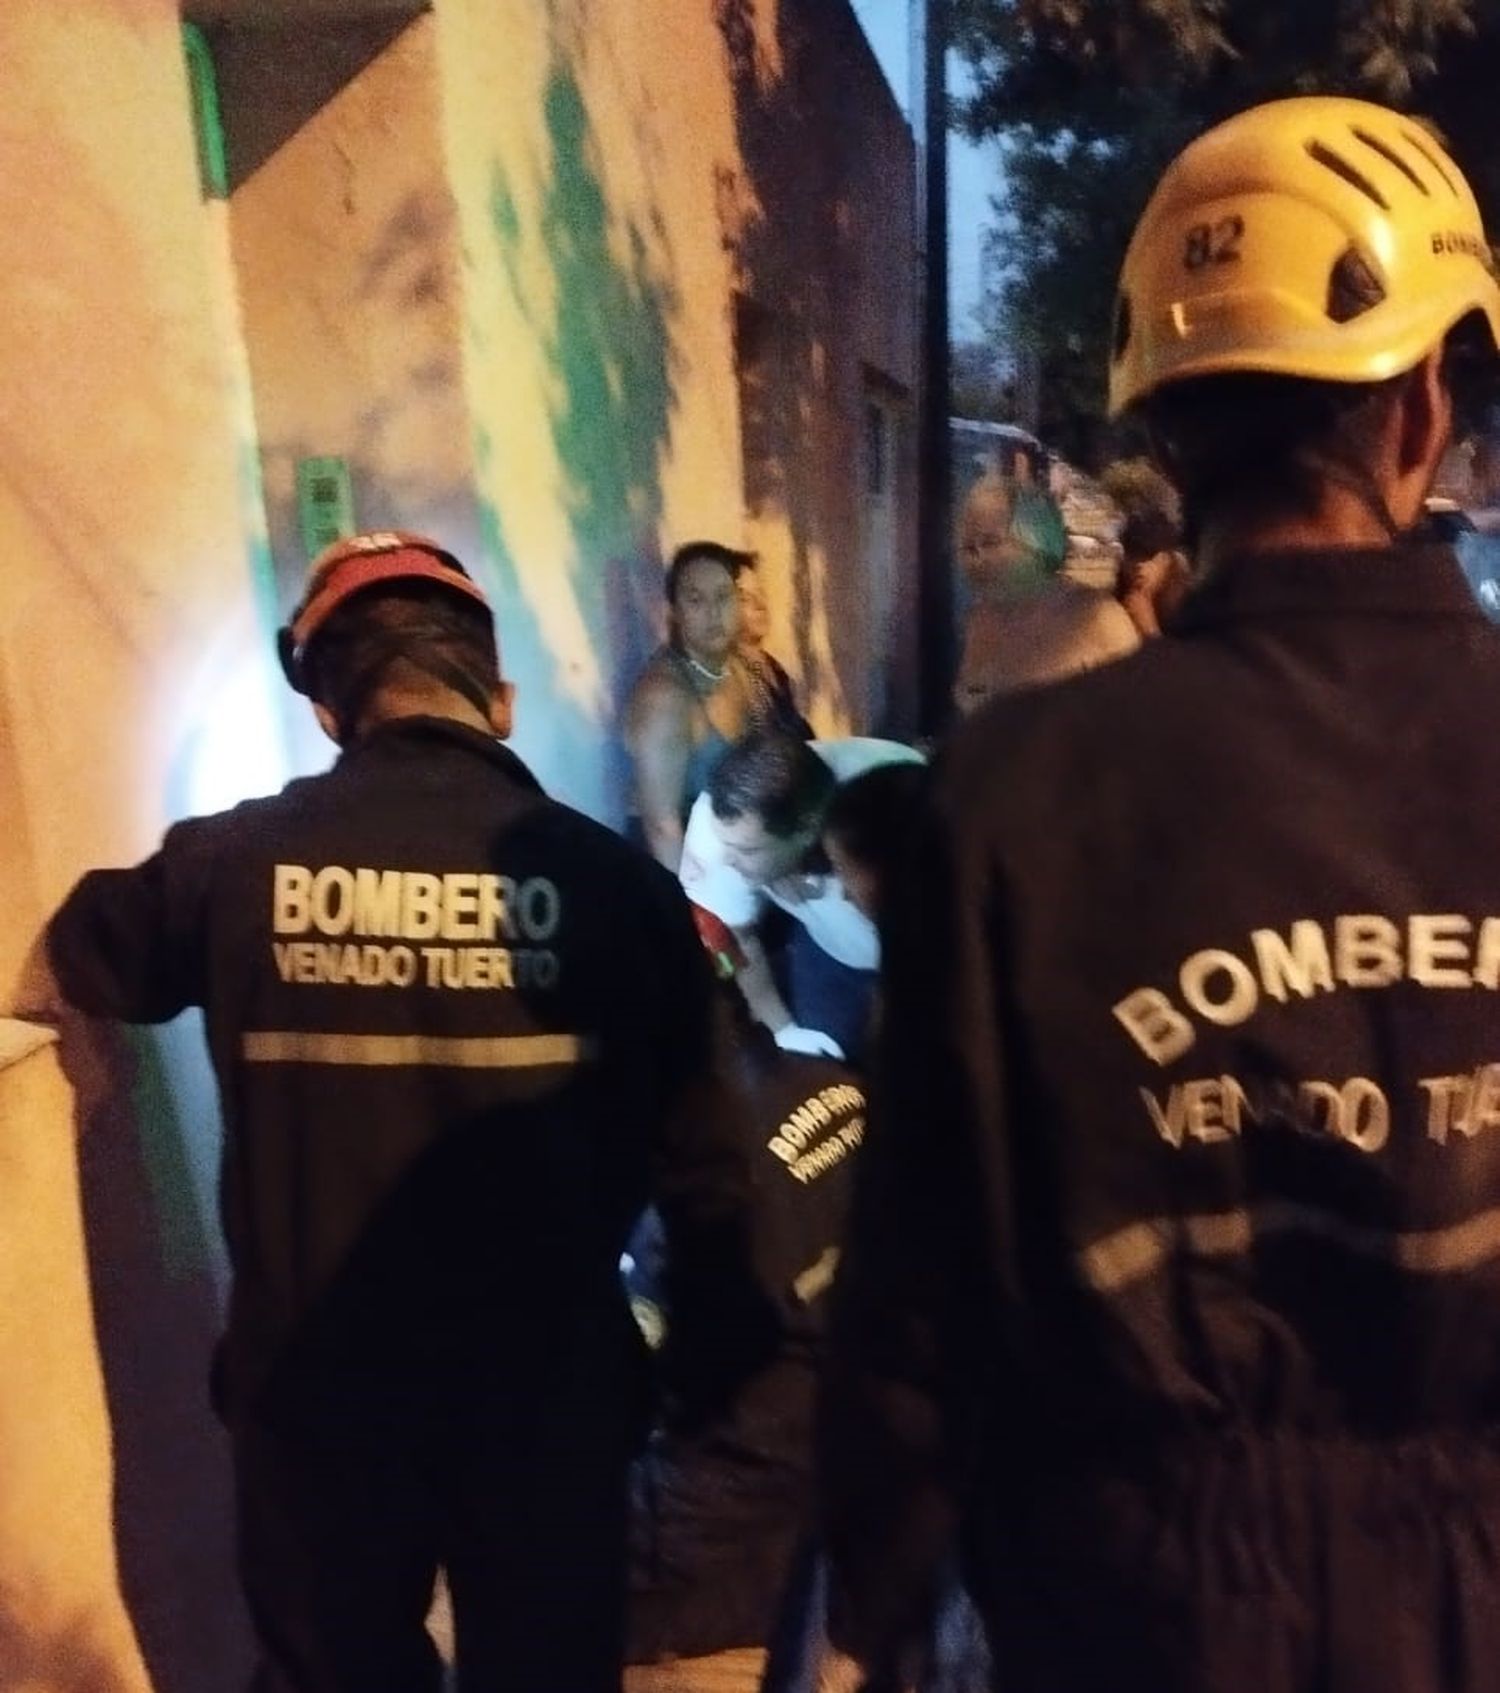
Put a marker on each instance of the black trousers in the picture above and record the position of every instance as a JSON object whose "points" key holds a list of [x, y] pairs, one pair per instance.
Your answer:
{"points": [[823, 994], [346, 1513], [714, 1536]]}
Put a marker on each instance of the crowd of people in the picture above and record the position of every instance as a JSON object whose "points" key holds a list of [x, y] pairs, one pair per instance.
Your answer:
{"points": [[1063, 1171], [1030, 615]]}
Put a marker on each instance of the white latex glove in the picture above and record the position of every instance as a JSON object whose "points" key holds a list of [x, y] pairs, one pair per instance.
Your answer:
{"points": [[813, 1043]]}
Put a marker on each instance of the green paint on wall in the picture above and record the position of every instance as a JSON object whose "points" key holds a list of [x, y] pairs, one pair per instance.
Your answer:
{"points": [[262, 564], [610, 352], [612, 347], [264, 590], [504, 215], [552, 734], [208, 123]]}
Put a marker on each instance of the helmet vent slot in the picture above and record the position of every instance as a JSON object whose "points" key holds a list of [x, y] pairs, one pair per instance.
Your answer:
{"points": [[1429, 153], [1341, 167], [1353, 287], [1392, 157]]}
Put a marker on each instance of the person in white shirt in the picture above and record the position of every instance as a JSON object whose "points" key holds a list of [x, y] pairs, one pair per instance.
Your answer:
{"points": [[752, 842]]}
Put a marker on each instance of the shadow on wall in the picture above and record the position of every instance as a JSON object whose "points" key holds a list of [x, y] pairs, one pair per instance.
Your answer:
{"points": [[157, 1313], [614, 366], [406, 466], [787, 225], [400, 288]]}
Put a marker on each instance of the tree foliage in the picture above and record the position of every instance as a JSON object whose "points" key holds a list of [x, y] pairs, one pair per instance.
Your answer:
{"points": [[1089, 100], [981, 384]]}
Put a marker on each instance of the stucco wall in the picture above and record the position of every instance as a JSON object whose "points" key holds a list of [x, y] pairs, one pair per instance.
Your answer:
{"points": [[597, 341], [496, 270], [818, 209], [344, 249], [63, 1627], [126, 605], [120, 524]]}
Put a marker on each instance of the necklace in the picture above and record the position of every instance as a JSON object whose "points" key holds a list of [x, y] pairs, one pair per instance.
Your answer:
{"points": [[714, 676]]}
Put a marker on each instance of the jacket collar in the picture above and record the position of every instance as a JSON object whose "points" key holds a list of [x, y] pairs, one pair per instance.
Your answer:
{"points": [[410, 731], [1410, 579]]}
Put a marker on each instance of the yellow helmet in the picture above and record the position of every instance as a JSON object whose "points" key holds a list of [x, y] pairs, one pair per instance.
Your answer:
{"points": [[1315, 237]]}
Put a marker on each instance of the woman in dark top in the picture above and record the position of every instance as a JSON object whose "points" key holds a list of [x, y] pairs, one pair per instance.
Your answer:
{"points": [[695, 697]]}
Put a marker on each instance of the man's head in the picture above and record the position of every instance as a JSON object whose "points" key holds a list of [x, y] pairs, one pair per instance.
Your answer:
{"points": [[392, 625], [703, 599], [767, 797], [1144, 534], [984, 533], [866, 829], [1301, 301]]}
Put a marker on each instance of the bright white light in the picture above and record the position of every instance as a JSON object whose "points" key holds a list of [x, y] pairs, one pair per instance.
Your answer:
{"points": [[233, 748]]}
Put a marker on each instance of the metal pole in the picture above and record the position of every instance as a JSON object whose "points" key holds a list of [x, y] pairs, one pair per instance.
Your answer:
{"points": [[936, 633]]}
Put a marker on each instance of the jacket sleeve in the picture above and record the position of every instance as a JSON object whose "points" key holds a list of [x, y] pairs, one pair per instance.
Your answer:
{"points": [[915, 1327], [131, 944], [723, 1323]]}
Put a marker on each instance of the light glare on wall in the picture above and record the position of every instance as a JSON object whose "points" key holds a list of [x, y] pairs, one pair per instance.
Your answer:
{"points": [[232, 746]]}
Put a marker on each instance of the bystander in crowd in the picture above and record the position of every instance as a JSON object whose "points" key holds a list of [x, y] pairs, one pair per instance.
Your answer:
{"points": [[777, 706], [697, 695], [1154, 574], [1024, 622], [722, 1510], [753, 849]]}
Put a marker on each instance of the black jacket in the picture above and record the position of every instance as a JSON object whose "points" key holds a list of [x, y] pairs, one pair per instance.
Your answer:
{"points": [[460, 1033], [720, 1509], [1175, 1278]]}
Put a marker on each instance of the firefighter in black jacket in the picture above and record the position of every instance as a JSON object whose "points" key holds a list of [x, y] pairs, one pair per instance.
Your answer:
{"points": [[461, 1034], [1174, 1285], [723, 1508]]}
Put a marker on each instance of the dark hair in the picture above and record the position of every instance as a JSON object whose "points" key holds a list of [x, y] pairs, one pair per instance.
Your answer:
{"points": [[729, 558], [1272, 443], [1263, 443], [407, 627], [1146, 534], [870, 816], [774, 777]]}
